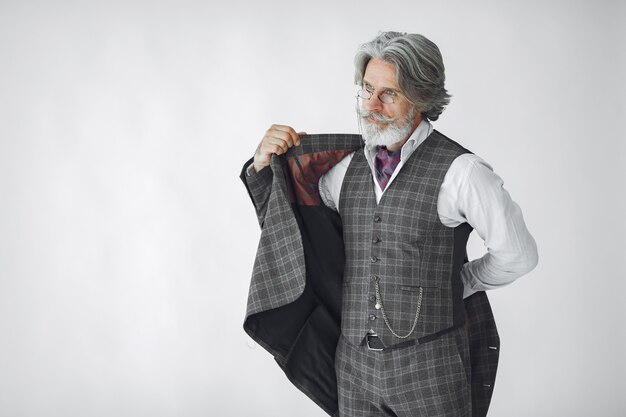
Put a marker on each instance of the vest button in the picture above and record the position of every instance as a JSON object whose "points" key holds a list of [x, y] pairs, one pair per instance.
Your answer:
{"points": [[374, 259], [376, 239], [374, 278], [372, 317], [377, 218], [372, 298]]}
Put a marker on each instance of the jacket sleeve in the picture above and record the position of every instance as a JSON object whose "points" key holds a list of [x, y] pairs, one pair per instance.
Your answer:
{"points": [[259, 186]]}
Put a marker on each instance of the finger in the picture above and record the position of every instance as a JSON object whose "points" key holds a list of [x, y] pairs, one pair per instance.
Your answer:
{"points": [[290, 137], [280, 137], [283, 140], [283, 146], [295, 139], [279, 150], [275, 147], [270, 142]]}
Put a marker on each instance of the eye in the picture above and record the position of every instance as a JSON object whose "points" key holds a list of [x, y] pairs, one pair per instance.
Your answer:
{"points": [[391, 93]]}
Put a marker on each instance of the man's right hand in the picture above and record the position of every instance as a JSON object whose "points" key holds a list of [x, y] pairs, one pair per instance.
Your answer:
{"points": [[278, 139]]}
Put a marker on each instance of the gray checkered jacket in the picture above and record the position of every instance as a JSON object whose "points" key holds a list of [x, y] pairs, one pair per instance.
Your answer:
{"points": [[295, 299]]}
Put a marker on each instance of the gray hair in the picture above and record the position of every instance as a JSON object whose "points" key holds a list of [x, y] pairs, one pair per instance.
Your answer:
{"points": [[419, 68]]}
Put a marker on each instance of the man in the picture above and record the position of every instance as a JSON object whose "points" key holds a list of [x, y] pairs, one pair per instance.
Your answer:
{"points": [[372, 239]]}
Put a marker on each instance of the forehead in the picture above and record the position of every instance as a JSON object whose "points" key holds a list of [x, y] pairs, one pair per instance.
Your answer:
{"points": [[379, 73]]}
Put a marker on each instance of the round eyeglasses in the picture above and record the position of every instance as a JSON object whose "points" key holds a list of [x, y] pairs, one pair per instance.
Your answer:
{"points": [[387, 96]]}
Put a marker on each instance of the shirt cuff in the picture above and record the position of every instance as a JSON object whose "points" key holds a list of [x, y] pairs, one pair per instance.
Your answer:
{"points": [[250, 171], [467, 291]]}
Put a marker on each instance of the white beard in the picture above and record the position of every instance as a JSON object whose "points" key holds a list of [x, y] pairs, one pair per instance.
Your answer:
{"points": [[389, 132]]}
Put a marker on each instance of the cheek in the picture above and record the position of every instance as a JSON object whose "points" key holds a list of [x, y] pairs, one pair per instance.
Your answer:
{"points": [[404, 111], [397, 115]]}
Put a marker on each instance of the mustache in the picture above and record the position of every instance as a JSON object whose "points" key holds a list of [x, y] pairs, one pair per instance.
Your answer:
{"points": [[376, 116]]}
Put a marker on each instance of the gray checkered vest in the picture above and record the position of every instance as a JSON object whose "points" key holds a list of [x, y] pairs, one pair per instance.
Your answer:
{"points": [[400, 259]]}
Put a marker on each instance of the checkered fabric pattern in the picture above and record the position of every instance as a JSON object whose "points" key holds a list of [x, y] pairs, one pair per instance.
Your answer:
{"points": [[484, 344], [278, 278], [401, 243], [278, 275], [432, 379]]}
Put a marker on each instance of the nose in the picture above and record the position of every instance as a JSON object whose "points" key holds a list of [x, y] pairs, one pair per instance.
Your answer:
{"points": [[373, 104]]}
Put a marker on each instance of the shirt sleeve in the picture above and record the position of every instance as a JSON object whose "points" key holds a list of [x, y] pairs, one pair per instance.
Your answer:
{"points": [[330, 183], [476, 195], [251, 170]]}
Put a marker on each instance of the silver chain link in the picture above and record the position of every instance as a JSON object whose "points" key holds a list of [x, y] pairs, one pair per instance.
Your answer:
{"points": [[379, 304]]}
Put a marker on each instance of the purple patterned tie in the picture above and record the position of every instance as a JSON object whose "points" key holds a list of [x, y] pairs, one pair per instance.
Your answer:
{"points": [[385, 163]]}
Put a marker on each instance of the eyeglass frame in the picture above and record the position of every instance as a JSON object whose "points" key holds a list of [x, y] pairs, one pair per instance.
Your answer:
{"points": [[380, 95]]}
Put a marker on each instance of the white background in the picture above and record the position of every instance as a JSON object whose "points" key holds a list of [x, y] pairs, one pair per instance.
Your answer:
{"points": [[127, 239]]}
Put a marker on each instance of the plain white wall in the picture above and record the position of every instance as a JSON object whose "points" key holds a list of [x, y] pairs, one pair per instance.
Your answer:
{"points": [[127, 240]]}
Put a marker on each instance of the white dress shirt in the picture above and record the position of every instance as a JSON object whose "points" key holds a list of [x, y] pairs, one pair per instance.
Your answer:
{"points": [[471, 192]]}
